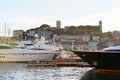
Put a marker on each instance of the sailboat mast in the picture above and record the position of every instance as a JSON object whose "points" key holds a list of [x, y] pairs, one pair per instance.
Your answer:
{"points": [[9, 32]]}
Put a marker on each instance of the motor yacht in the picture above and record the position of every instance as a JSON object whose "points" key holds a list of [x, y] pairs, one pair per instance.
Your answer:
{"points": [[29, 51], [107, 58]]}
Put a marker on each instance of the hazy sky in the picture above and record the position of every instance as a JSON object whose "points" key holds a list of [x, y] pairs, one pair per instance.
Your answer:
{"points": [[26, 14]]}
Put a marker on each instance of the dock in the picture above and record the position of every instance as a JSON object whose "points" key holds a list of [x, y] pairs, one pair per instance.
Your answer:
{"points": [[69, 63]]}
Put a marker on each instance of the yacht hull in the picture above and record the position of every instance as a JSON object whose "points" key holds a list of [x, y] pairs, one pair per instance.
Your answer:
{"points": [[23, 55], [101, 60]]}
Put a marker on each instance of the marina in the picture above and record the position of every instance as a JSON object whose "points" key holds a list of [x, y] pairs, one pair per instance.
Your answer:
{"points": [[59, 40]]}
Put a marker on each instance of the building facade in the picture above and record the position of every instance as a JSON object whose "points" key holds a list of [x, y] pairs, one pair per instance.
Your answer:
{"points": [[18, 34]]}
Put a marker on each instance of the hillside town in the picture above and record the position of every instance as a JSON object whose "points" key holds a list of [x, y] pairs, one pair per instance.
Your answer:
{"points": [[83, 37]]}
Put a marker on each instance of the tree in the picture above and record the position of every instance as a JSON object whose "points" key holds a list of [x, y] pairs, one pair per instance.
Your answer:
{"points": [[109, 34], [45, 26], [71, 30]]}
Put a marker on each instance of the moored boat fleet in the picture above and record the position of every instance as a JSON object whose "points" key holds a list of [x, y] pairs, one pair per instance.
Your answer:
{"points": [[43, 50]]}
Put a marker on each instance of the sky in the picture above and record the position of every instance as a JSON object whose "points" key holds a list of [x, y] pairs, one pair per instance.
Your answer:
{"points": [[26, 14]]}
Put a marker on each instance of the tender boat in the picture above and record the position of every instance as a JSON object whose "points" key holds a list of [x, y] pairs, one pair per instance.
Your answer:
{"points": [[108, 58]]}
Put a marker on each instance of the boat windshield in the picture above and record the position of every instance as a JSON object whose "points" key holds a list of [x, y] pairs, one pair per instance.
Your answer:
{"points": [[28, 44]]}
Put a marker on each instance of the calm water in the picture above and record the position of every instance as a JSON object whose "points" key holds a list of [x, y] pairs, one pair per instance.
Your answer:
{"points": [[20, 71]]}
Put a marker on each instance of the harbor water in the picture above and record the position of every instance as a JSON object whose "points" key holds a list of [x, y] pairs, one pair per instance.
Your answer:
{"points": [[20, 71]]}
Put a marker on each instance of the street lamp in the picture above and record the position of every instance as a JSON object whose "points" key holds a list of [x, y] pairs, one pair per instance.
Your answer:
{"points": [[45, 30]]}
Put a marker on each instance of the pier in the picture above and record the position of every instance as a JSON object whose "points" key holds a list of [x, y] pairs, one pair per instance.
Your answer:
{"points": [[62, 63]]}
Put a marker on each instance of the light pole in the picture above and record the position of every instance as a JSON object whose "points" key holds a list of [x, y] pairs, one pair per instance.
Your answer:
{"points": [[45, 31]]}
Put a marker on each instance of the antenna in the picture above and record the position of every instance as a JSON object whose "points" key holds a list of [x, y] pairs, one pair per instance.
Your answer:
{"points": [[5, 29], [5, 33]]}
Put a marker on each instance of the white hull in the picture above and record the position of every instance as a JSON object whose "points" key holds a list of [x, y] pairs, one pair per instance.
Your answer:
{"points": [[26, 55]]}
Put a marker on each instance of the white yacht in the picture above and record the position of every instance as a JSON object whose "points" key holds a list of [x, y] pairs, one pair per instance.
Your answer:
{"points": [[20, 55], [29, 52]]}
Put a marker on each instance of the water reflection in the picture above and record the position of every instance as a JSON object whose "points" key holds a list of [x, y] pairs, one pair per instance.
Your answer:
{"points": [[17, 71], [93, 75]]}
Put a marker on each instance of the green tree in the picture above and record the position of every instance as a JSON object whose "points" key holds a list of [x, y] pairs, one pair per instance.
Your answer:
{"points": [[45, 26], [71, 30], [109, 34]]}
